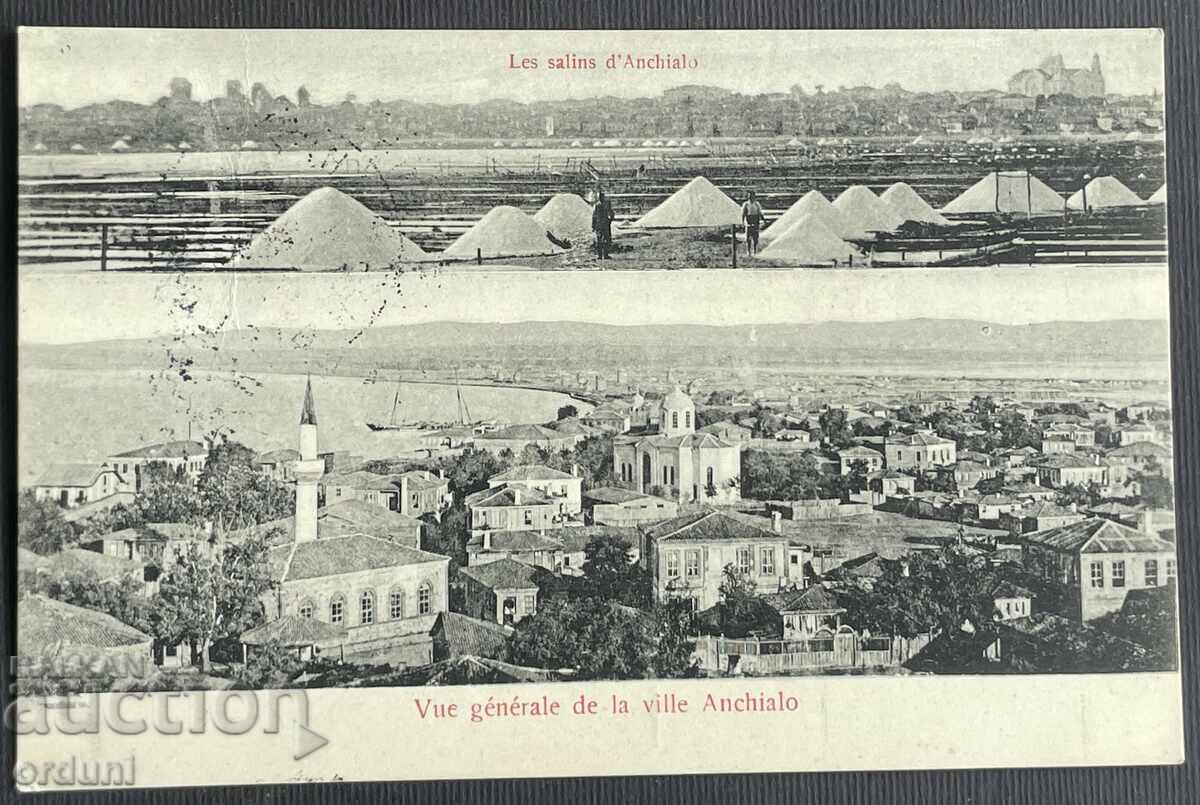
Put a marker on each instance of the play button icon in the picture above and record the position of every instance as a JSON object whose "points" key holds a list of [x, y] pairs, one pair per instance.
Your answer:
{"points": [[307, 742]]}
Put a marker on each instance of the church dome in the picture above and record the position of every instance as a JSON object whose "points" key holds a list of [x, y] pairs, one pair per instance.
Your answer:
{"points": [[677, 399]]}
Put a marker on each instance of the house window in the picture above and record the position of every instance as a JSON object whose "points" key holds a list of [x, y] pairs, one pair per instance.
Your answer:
{"points": [[306, 609], [672, 564], [396, 605], [744, 561], [528, 517], [665, 476], [424, 600], [674, 419], [1118, 574], [1151, 574], [692, 564], [337, 609], [1170, 570], [366, 608], [1097, 571], [687, 419], [530, 603], [709, 478], [767, 561]]}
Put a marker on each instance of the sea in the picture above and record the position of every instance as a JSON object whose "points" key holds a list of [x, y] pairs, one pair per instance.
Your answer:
{"points": [[87, 415]]}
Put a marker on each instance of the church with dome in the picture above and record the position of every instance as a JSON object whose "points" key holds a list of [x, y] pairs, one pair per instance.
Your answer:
{"points": [[672, 460]]}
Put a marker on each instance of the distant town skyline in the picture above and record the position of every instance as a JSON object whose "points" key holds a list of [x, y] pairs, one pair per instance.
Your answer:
{"points": [[74, 67]]}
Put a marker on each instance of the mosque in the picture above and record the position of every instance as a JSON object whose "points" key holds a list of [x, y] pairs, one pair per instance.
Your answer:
{"points": [[673, 461]]}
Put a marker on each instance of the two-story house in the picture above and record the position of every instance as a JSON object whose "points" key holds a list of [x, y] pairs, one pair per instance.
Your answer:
{"points": [[564, 487], [919, 451]]}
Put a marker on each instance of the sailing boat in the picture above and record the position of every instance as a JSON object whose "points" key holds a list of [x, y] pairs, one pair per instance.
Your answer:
{"points": [[393, 423]]}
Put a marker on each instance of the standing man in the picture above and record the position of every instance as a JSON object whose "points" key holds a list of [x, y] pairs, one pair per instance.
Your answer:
{"points": [[752, 215], [602, 218]]}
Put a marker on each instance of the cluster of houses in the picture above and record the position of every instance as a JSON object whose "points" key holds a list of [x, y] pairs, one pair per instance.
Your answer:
{"points": [[352, 576]]}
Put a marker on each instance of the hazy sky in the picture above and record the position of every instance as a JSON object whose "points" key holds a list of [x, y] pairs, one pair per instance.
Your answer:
{"points": [[76, 66], [64, 308]]}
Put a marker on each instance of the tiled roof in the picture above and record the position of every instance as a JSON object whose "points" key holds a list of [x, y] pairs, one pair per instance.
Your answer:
{"points": [[571, 426], [919, 440], [528, 433], [708, 525], [1066, 460], [505, 541], [505, 574], [687, 440], [358, 516], [291, 631], [45, 626], [417, 480], [718, 428], [177, 449], [1025, 488], [1141, 450], [1006, 589], [968, 466], [464, 635], [530, 472], [811, 599], [332, 556], [75, 561], [1046, 508], [1097, 535], [614, 494], [576, 538], [868, 565], [858, 450], [68, 474], [507, 496], [361, 479], [996, 500], [278, 456]]}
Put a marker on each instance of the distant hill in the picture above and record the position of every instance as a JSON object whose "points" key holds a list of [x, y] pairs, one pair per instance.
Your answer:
{"points": [[917, 340]]}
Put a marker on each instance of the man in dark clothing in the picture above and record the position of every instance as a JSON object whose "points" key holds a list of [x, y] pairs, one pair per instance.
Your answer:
{"points": [[752, 215], [602, 218]]}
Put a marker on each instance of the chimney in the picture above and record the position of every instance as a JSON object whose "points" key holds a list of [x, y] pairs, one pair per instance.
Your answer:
{"points": [[777, 522], [442, 473], [403, 507], [487, 539], [574, 470]]}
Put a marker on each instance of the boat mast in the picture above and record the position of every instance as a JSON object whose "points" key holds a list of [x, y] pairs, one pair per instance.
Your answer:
{"points": [[463, 413], [395, 405]]}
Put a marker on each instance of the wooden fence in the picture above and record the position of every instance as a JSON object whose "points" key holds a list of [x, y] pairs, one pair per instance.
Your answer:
{"points": [[845, 650]]}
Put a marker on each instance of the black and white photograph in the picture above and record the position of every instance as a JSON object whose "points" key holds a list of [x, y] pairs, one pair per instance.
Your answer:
{"points": [[354, 364]]}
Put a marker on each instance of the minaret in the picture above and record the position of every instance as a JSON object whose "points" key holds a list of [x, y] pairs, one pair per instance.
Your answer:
{"points": [[308, 471]]}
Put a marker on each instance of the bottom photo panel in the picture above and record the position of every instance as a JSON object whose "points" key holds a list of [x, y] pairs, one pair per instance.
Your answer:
{"points": [[677, 503]]}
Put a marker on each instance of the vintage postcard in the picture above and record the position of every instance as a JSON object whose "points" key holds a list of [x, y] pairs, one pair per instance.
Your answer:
{"points": [[585, 403]]}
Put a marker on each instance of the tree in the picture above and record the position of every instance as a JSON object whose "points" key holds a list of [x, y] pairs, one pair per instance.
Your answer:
{"points": [[270, 667], [123, 599], [834, 429], [40, 525], [598, 638], [610, 575], [779, 476], [672, 627], [1081, 497], [594, 457], [566, 412], [531, 454], [469, 472], [1149, 621], [235, 494], [167, 495], [449, 535], [213, 593]]}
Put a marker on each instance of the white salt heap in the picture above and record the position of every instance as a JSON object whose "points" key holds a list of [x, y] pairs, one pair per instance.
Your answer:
{"points": [[865, 211], [813, 203], [909, 205], [504, 232], [809, 242], [1159, 196], [327, 230], [566, 215], [1008, 192], [1104, 191], [698, 203]]}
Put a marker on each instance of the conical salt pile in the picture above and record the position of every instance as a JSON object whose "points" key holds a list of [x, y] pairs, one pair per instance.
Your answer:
{"points": [[865, 211], [1159, 196], [1007, 192], [909, 205], [328, 230], [504, 232], [809, 242], [566, 215], [813, 203], [1104, 191], [697, 203]]}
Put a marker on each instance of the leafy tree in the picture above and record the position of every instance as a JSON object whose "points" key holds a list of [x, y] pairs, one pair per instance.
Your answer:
{"points": [[123, 599], [530, 454], [235, 494], [1081, 497], [566, 411], [1149, 621], [1015, 431], [834, 428], [167, 496], [982, 405], [594, 457], [779, 476], [213, 593], [270, 667], [740, 610], [40, 525], [765, 421], [449, 535], [599, 639], [926, 592], [672, 627], [469, 472], [720, 397], [610, 575]]}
